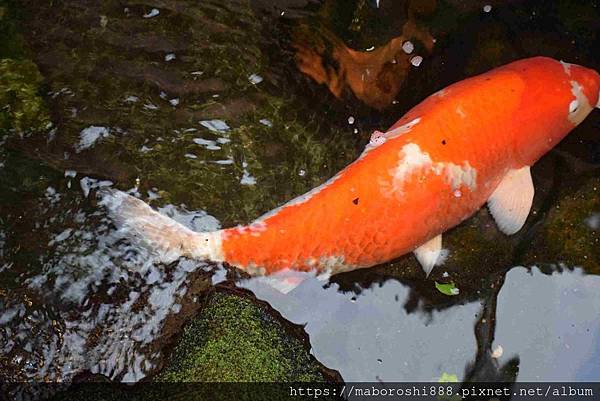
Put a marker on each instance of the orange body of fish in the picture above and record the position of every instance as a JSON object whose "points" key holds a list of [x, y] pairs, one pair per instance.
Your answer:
{"points": [[470, 143]]}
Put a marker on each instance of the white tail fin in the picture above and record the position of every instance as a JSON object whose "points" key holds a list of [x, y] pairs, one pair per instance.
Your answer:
{"points": [[163, 235]]}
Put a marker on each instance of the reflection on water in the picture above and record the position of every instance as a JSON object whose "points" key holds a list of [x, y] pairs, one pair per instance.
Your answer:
{"points": [[551, 322], [546, 323], [372, 337], [200, 106]]}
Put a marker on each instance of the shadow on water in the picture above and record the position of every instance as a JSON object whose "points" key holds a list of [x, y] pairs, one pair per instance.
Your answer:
{"points": [[201, 110]]}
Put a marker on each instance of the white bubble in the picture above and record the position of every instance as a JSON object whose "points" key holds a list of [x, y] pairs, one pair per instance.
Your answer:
{"points": [[255, 79], [152, 13], [408, 47], [487, 8], [350, 120], [416, 61]]}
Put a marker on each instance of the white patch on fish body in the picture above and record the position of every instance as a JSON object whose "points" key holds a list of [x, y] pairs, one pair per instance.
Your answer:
{"points": [[441, 93], [580, 107], [413, 159], [210, 246], [457, 175], [333, 264], [460, 112], [566, 67]]}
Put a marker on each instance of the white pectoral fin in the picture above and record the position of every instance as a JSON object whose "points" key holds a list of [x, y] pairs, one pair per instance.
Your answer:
{"points": [[511, 201], [429, 253]]}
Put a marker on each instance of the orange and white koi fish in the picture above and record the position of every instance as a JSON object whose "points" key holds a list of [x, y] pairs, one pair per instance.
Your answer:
{"points": [[470, 143]]}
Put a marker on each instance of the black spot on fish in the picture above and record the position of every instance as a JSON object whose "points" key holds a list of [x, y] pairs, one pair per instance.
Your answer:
{"points": [[355, 201], [443, 141]]}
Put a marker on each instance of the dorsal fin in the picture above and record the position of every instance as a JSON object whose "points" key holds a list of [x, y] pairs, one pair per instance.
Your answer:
{"points": [[511, 201]]}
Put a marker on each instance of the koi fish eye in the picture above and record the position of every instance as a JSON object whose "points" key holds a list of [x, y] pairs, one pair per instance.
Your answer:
{"points": [[573, 106]]}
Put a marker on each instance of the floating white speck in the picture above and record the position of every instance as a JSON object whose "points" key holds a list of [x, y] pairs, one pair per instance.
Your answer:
{"points": [[255, 79], [497, 352], [408, 47], [152, 13], [191, 156], [350, 120], [487, 8], [445, 274], [457, 193], [355, 130], [70, 173], [197, 72], [132, 99], [223, 140], [266, 122], [416, 61], [89, 136], [170, 57], [302, 173], [215, 125], [247, 179], [371, 48], [174, 102], [150, 106], [145, 149], [203, 142], [163, 95], [593, 221]]}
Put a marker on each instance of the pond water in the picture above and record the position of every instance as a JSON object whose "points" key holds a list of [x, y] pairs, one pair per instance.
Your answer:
{"points": [[215, 113]]}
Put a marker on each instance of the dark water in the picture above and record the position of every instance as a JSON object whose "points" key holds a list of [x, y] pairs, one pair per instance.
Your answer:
{"points": [[202, 110]]}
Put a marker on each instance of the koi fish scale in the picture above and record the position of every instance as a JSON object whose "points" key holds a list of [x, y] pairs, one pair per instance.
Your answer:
{"points": [[470, 143]]}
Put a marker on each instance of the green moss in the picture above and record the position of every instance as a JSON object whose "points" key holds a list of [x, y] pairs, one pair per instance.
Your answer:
{"points": [[236, 340], [568, 234], [22, 109]]}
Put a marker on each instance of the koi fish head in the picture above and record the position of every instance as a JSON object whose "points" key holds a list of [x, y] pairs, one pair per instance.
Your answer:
{"points": [[557, 96], [585, 86]]}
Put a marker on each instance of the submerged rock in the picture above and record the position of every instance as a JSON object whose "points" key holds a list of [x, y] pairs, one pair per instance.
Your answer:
{"points": [[569, 236], [234, 340]]}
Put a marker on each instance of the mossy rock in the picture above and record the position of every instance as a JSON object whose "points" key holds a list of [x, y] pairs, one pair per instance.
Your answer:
{"points": [[570, 234], [22, 109], [236, 340]]}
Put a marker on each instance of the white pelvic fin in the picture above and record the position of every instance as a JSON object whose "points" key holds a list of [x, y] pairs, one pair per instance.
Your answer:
{"points": [[161, 234], [429, 253], [511, 201]]}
